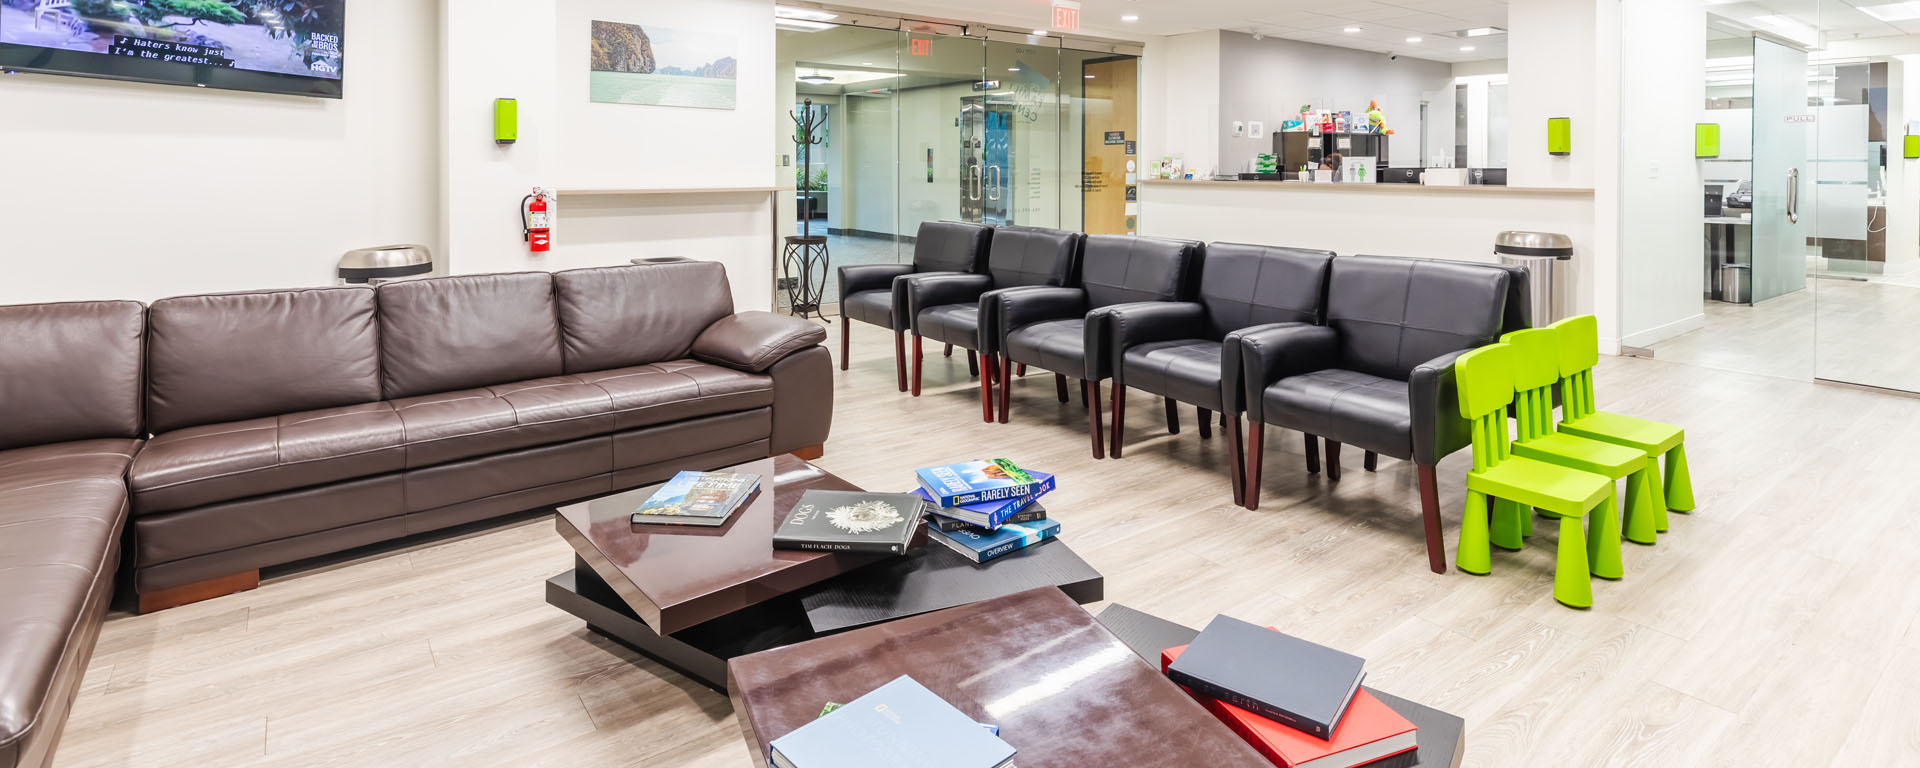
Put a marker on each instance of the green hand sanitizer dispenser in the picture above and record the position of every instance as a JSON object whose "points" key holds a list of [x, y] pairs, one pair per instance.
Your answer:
{"points": [[506, 121]]}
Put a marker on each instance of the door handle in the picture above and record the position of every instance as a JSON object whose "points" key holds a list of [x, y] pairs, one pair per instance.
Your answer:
{"points": [[1793, 195], [993, 189], [973, 177]]}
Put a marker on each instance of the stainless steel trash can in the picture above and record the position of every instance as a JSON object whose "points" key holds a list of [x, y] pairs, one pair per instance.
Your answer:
{"points": [[1543, 255], [364, 266], [1736, 283]]}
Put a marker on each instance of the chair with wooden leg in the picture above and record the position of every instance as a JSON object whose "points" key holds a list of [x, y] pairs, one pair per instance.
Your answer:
{"points": [[1579, 352], [867, 291], [1378, 375], [1502, 485]]}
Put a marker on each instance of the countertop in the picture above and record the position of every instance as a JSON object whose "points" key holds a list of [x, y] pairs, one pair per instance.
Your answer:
{"points": [[1475, 189]]}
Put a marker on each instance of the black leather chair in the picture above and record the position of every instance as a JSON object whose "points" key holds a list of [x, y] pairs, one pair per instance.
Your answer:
{"points": [[1379, 373], [1189, 352], [955, 309], [867, 291], [1048, 327]]}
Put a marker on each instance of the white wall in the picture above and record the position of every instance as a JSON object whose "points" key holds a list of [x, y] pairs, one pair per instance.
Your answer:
{"points": [[1180, 99], [143, 191], [1551, 51], [1268, 80], [1661, 258]]}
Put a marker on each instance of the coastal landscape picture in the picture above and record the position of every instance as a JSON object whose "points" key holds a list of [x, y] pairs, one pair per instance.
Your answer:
{"points": [[662, 66]]}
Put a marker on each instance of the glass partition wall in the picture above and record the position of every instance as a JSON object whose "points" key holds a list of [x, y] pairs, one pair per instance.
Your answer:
{"points": [[929, 123]]}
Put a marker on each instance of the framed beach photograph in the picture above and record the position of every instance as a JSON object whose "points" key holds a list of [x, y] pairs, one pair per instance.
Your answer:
{"points": [[662, 66]]}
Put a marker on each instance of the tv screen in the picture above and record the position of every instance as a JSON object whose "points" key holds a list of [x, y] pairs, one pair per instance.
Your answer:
{"points": [[276, 46]]}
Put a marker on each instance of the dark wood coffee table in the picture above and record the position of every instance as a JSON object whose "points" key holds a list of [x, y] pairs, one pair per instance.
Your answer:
{"points": [[1063, 689], [1442, 736], [691, 598]]}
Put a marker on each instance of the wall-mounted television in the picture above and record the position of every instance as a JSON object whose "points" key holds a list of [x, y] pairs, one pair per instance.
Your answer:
{"points": [[275, 46]]}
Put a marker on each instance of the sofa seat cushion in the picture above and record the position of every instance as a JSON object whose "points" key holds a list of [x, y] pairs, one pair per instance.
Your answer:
{"points": [[477, 422], [1187, 370], [1056, 345], [875, 307], [956, 324], [221, 462], [1357, 409], [61, 510]]}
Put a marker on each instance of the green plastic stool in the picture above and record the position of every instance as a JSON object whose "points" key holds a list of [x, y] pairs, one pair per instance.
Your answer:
{"points": [[1536, 357], [1485, 378], [1579, 352]]}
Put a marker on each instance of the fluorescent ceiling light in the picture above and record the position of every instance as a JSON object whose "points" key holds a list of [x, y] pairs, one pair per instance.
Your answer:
{"points": [[1351, 30], [1414, 39], [1482, 32], [815, 79], [1790, 28], [1130, 17], [1466, 48], [805, 14], [844, 76], [800, 25], [1039, 33], [1089, 77], [1907, 11]]}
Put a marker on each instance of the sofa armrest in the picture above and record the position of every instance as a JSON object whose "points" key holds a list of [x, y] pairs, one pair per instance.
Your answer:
{"points": [[1434, 397], [754, 341], [1034, 303], [855, 278], [916, 292], [1265, 354], [1113, 329]]}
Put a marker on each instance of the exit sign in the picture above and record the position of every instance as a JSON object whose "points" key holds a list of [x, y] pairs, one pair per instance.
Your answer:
{"points": [[922, 47], [1066, 15]]}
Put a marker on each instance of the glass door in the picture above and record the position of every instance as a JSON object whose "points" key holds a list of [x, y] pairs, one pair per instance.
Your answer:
{"points": [[1023, 153]]}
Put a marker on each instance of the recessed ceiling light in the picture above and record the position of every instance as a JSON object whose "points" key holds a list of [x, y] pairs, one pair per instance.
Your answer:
{"points": [[1907, 11], [815, 79], [866, 63], [1414, 39], [1130, 17], [1351, 30], [807, 14], [1482, 32], [1089, 77], [1039, 33], [1013, 69], [1466, 48]]}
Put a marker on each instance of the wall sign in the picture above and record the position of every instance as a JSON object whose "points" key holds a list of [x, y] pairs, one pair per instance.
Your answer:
{"points": [[1130, 150], [1116, 137], [1066, 15], [921, 47]]}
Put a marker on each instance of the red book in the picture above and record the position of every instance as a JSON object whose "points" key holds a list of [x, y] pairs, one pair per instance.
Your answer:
{"points": [[1370, 732]]}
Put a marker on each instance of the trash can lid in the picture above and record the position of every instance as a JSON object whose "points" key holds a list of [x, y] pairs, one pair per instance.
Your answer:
{"points": [[1534, 244], [386, 261]]}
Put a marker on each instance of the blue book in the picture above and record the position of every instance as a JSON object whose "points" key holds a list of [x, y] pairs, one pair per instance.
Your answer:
{"points": [[974, 482], [990, 514], [981, 546], [898, 724]]}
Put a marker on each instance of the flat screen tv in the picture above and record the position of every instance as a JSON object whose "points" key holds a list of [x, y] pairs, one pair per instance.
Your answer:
{"points": [[275, 46]]}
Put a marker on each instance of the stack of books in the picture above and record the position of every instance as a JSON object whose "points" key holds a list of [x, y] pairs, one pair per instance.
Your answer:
{"points": [[898, 724], [1300, 704], [986, 508]]}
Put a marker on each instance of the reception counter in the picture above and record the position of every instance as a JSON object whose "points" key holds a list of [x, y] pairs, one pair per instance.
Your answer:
{"points": [[1382, 219]]}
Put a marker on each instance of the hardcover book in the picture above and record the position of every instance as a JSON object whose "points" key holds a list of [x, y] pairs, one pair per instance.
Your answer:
{"points": [[983, 545], [852, 521], [1371, 734], [898, 724], [973, 482], [940, 522], [1278, 676], [990, 514], [698, 498]]}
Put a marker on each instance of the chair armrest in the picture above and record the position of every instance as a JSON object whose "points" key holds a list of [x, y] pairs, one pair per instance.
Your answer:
{"points": [[915, 292], [1265, 354], [1010, 309], [855, 278], [1113, 329], [1438, 427], [754, 341]]}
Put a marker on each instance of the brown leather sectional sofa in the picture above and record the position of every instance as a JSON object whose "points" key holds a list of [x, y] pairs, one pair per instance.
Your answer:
{"points": [[205, 437]]}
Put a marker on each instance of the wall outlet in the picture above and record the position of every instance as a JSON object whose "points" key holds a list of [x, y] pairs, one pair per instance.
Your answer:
{"points": [[786, 283], [1239, 129]]}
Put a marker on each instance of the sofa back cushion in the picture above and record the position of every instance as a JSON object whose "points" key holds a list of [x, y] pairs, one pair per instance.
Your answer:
{"points": [[1393, 314], [70, 371], [450, 333], [1118, 269], [951, 246], [1248, 285], [1032, 256], [229, 357], [615, 317]]}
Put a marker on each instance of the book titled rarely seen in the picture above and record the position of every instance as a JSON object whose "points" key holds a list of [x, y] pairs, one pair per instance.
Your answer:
{"points": [[1303, 685], [697, 498], [990, 514], [981, 545], [973, 482], [852, 521], [1371, 734], [896, 725]]}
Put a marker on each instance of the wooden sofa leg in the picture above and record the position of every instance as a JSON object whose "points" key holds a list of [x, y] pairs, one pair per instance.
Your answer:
{"points": [[1333, 460], [1236, 463], [988, 366], [1173, 417], [1006, 386], [948, 352], [973, 364], [1256, 445], [1313, 455], [1371, 461], [811, 452], [900, 358], [162, 599], [1430, 510], [1060, 386], [1119, 417], [846, 334], [919, 357], [1206, 423], [1092, 389]]}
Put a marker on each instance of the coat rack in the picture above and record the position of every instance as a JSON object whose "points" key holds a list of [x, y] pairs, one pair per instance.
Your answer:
{"points": [[806, 253]]}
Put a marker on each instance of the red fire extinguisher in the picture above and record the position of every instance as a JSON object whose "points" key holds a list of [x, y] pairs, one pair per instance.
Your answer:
{"points": [[535, 221]]}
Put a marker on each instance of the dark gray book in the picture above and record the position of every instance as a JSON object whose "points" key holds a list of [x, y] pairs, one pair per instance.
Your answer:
{"points": [[852, 521], [1303, 685], [1032, 514]]}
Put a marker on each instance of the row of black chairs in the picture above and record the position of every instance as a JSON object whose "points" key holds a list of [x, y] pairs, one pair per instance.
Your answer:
{"points": [[1353, 350]]}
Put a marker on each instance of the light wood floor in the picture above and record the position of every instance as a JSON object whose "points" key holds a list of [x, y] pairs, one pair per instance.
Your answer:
{"points": [[1776, 626]]}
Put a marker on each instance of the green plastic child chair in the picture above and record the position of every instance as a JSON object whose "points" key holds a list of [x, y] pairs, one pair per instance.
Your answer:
{"points": [[1579, 351], [1485, 379], [1536, 358]]}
